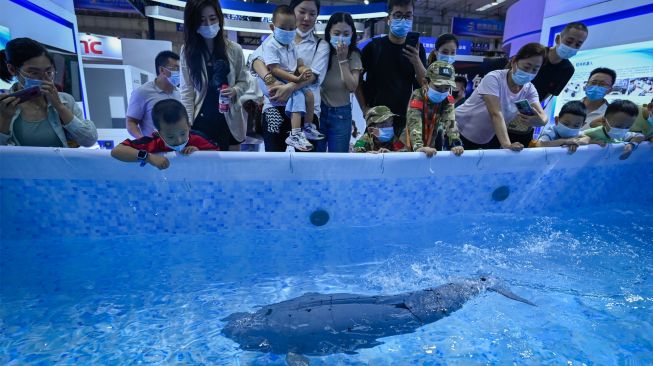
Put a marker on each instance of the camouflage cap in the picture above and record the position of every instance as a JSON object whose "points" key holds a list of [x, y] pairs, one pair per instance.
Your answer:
{"points": [[441, 73], [378, 114]]}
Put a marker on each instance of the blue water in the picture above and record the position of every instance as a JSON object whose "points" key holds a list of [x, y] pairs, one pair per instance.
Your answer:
{"points": [[159, 300]]}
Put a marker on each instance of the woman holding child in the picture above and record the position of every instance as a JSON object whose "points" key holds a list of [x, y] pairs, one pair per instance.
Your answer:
{"points": [[314, 53], [212, 65]]}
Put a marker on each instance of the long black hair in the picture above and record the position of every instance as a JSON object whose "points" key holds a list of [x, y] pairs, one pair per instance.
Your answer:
{"points": [[194, 46], [17, 52], [333, 20]]}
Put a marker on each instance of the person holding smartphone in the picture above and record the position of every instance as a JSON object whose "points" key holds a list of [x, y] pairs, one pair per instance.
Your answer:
{"points": [[482, 120], [45, 118], [393, 68]]}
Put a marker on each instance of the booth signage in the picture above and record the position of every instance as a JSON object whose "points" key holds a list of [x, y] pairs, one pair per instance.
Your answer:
{"points": [[96, 46]]}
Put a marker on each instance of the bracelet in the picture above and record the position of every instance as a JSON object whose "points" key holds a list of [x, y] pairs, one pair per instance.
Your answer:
{"points": [[343, 61]]}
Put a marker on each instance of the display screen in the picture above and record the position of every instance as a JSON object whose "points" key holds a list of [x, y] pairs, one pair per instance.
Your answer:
{"points": [[633, 64]]}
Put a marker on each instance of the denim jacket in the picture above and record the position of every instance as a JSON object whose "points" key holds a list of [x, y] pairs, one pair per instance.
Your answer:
{"points": [[78, 132]]}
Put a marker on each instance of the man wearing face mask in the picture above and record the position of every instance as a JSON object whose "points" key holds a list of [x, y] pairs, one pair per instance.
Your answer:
{"points": [[598, 86], [143, 99], [555, 73], [557, 70], [431, 117], [393, 69]]}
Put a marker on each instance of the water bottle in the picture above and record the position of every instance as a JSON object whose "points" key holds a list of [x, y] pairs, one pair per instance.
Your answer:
{"points": [[224, 100]]}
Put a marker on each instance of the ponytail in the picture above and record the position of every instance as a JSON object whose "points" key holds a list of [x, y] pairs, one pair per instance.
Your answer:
{"points": [[5, 75]]}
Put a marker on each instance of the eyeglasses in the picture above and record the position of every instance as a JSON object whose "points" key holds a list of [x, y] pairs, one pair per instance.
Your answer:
{"points": [[599, 83], [399, 15], [171, 68], [39, 74]]}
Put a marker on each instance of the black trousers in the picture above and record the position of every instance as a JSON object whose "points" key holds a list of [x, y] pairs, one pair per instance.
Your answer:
{"points": [[524, 137], [276, 127], [492, 144]]}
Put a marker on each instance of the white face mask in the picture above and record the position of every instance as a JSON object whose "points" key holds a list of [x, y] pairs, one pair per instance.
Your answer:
{"points": [[304, 34], [209, 31]]}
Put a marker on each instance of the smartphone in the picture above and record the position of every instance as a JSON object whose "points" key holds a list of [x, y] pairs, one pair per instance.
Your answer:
{"points": [[412, 38], [524, 107], [25, 94]]}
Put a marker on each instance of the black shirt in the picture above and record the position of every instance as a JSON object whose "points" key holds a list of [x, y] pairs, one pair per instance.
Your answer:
{"points": [[390, 76], [209, 120], [552, 78]]}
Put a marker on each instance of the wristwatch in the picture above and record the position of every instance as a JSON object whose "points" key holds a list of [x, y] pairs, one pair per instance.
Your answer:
{"points": [[142, 157]]}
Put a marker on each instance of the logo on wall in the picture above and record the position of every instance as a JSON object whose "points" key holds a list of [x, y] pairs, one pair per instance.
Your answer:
{"points": [[96, 46]]}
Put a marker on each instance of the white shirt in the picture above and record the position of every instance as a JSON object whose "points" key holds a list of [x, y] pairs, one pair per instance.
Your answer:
{"points": [[474, 120], [598, 113], [274, 52], [316, 59], [142, 102]]}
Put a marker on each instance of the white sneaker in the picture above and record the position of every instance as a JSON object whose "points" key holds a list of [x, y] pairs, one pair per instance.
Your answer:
{"points": [[298, 141], [312, 133]]}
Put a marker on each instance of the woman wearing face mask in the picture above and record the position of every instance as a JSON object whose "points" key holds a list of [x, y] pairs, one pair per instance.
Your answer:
{"points": [[341, 80], [315, 53], [211, 66], [483, 118], [51, 119], [445, 49]]}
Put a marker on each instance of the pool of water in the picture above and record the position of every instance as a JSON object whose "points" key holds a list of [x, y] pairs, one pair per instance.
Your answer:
{"points": [[160, 300]]}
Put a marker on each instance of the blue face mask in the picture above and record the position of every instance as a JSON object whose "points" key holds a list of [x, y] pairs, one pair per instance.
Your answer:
{"points": [[28, 83], [650, 119], [522, 77], [616, 133], [209, 31], [283, 36], [386, 134], [174, 78], [176, 148], [401, 27], [450, 59], [436, 96], [566, 132], [565, 52], [335, 40], [595, 92]]}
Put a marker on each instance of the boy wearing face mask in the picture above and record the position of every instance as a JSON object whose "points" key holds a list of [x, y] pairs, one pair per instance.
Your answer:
{"points": [[174, 134], [143, 99], [279, 55], [566, 130], [615, 125], [431, 117], [379, 135]]}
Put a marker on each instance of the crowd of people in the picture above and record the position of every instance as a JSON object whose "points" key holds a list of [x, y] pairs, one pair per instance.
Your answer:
{"points": [[202, 98]]}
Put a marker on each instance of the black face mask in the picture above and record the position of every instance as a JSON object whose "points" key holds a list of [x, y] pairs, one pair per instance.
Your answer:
{"points": [[455, 93]]}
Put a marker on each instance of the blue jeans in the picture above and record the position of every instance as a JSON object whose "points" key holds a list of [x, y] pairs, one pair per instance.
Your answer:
{"points": [[335, 124]]}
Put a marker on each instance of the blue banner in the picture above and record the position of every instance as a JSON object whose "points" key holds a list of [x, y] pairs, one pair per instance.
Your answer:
{"points": [[464, 47], [114, 6], [488, 28]]}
